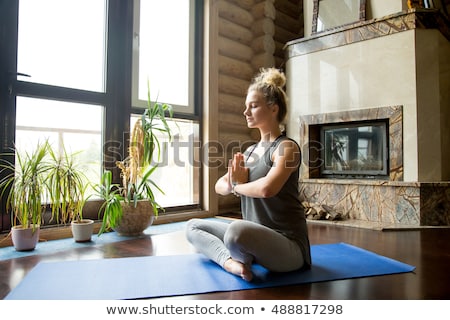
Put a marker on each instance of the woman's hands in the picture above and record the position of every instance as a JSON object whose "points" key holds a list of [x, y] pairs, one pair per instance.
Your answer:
{"points": [[237, 172]]}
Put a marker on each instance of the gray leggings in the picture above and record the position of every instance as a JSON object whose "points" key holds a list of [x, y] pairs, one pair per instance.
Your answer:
{"points": [[244, 241]]}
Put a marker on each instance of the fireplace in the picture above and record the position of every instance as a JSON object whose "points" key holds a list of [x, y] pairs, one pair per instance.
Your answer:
{"points": [[377, 192], [357, 144], [354, 150], [353, 163]]}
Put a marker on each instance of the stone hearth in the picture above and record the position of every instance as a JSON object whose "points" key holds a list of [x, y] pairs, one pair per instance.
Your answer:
{"points": [[388, 203]]}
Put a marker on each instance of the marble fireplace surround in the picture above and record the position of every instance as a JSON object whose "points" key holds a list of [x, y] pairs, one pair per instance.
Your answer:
{"points": [[310, 136], [381, 204], [390, 202]]}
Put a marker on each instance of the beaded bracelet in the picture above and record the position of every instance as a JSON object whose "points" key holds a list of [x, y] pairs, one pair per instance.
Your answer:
{"points": [[233, 191]]}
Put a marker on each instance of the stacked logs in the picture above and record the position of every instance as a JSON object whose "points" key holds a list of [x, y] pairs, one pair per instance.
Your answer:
{"points": [[317, 211]]}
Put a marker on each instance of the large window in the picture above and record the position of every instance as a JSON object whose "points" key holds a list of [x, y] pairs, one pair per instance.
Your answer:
{"points": [[62, 43], [60, 51], [73, 126], [170, 81], [76, 72], [163, 71]]}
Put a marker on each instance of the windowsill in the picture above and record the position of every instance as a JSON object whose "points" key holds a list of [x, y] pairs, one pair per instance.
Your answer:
{"points": [[49, 233]]}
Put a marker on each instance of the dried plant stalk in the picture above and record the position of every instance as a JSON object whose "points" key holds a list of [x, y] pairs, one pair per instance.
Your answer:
{"points": [[131, 167]]}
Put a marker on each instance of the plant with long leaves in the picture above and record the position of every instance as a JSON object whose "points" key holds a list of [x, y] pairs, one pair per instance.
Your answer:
{"points": [[24, 183], [67, 184], [144, 152], [111, 207], [142, 160]]}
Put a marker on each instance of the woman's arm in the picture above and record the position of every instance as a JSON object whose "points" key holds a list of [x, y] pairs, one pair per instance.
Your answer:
{"points": [[223, 185]]}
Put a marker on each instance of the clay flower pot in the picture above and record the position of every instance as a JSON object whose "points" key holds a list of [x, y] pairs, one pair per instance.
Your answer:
{"points": [[135, 219]]}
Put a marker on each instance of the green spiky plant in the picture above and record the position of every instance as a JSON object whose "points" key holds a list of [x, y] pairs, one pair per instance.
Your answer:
{"points": [[66, 184], [24, 184], [137, 168]]}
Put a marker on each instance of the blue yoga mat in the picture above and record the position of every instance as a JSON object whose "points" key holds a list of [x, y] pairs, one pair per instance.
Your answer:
{"points": [[162, 276]]}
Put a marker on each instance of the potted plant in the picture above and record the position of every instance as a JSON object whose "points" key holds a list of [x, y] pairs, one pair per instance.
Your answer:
{"points": [[23, 184], [112, 202], [67, 184], [138, 206]]}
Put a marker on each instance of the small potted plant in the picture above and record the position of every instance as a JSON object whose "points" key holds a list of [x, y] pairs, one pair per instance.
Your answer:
{"points": [[23, 183], [112, 202], [67, 185], [138, 206]]}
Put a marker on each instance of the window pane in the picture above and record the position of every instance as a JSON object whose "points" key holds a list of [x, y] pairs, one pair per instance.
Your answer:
{"points": [[164, 56], [177, 167], [78, 126], [62, 43]]}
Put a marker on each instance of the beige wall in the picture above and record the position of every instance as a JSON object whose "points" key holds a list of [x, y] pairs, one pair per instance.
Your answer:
{"points": [[433, 99]]}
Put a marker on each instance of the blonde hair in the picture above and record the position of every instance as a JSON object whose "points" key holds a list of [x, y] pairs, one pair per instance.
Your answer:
{"points": [[270, 82]]}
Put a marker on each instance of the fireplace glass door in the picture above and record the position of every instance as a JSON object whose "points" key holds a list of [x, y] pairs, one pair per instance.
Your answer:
{"points": [[354, 150]]}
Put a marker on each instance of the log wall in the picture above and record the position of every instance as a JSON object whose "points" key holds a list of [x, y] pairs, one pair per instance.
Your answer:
{"points": [[251, 35], [288, 26]]}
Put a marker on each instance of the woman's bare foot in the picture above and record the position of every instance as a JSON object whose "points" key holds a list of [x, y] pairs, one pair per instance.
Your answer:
{"points": [[239, 269]]}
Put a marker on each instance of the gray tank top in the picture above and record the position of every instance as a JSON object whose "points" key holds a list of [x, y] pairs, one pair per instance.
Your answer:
{"points": [[283, 212]]}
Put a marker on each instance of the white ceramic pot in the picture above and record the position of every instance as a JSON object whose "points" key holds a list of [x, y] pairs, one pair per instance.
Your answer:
{"points": [[82, 230], [24, 239]]}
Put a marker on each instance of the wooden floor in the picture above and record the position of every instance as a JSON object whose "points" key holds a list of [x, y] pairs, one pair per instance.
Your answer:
{"points": [[427, 249]]}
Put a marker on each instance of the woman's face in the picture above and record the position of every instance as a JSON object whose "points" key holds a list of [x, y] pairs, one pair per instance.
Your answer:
{"points": [[257, 113]]}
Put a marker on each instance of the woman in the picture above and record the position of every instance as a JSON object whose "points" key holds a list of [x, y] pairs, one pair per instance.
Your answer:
{"points": [[273, 231]]}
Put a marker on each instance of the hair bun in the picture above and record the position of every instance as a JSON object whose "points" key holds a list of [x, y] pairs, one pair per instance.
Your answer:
{"points": [[273, 76], [269, 82]]}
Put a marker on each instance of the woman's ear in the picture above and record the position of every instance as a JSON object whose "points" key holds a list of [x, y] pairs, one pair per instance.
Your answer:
{"points": [[275, 108]]}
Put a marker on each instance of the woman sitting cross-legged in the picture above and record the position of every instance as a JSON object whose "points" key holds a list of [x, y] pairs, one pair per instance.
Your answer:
{"points": [[273, 230]]}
